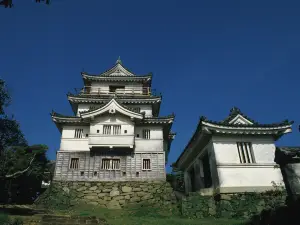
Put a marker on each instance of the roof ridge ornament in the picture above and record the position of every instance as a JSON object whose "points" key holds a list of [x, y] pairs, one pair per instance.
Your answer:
{"points": [[119, 60], [235, 110]]}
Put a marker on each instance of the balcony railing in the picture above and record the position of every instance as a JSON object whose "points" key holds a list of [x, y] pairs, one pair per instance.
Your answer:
{"points": [[118, 91], [100, 140]]}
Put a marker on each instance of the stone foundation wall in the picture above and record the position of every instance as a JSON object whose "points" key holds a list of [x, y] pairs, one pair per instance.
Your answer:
{"points": [[116, 194], [240, 205]]}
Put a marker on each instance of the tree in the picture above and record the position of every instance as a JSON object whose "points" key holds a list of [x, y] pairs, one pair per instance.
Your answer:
{"points": [[9, 3], [22, 167]]}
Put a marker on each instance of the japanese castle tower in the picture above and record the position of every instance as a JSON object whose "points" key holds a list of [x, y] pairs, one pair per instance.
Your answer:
{"points": [[116, 133]]}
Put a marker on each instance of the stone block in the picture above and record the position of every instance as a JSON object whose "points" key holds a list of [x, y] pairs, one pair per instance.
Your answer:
{"points": [[87, 184], [139, 194], [93, 188], [126, 189], [81, 188], [100, 195], [113, 205], [106, 190], [135, 199], [127, 197], [118, 197], [114, 193]]}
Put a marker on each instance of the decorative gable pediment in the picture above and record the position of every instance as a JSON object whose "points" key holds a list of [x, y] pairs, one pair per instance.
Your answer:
{"points": [[239, 119], [112, 107], [117, 71]]}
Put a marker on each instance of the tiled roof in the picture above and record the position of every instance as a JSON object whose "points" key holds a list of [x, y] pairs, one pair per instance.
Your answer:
{"points": [[236, 111], [286, 154], [233, 113]]}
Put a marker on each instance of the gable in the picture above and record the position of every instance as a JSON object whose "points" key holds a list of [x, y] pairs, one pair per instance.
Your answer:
{"points": [[239, 119], [112, 107], [117, 71]]}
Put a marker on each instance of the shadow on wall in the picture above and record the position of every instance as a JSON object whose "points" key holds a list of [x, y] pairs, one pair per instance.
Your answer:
{"points": [[284, 215]]}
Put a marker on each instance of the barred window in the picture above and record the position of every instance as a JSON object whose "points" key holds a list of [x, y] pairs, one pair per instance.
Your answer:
{"points": [[245, 152], [110, 164], [112, 129], [146, 164], [146, 134], [74, 164], [78, 133]]}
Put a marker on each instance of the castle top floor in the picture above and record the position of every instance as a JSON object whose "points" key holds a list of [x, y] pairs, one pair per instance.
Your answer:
{"points": [[117, 80]]}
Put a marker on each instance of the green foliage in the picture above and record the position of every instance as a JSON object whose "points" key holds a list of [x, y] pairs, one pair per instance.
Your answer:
{"points": [[55, 198], [20, 164], [236, 206], [5, 220]]}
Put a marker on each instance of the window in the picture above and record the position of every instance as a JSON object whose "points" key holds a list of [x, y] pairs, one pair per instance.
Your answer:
{"points": [[112, 129], [245, 152], [74, 164], [137, 174], [106, 129], [146, 164], [78, 133], [125, 131], [146, 134], [116, 88], [86, 135], [137, 135], [110, 164], [81, 173], [95, 174]]}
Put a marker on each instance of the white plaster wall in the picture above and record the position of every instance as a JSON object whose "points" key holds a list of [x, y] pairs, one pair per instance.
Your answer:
{"points": [[104, 87], [249, 177], [232, 173], [72, 144], [155, 132], [226, 150], [69, 143], [154, 144], [144, 108], [83, 107], [143, 145], [69, 131]]}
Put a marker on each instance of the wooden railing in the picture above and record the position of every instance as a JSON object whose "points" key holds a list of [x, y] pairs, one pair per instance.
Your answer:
{"points": [[119, 91]]}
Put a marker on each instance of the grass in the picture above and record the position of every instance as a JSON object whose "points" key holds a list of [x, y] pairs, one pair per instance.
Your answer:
{"points": [[136, 215]]}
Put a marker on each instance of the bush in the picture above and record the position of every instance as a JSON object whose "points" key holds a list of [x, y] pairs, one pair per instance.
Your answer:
{"points": [[5, 220]]}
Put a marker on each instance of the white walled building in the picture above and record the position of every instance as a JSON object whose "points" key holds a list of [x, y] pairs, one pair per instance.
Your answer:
{"points": [[116, 132], [234, 155]]}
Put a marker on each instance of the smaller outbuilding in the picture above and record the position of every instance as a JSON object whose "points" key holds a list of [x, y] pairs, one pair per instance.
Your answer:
{"points": [[233, 155]]}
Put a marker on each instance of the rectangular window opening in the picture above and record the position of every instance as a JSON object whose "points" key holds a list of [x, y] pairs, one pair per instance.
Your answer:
{"points": [[245, 152], [146, 134], [81, 173], [95, 173], [112, 129], [74, 164], [110, 164], [146, 164], [124, 173], [137, 174], [115, 88], [78, 133]]}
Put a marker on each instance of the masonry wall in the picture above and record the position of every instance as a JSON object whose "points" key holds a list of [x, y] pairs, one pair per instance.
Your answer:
{"points": [[113, 194]]}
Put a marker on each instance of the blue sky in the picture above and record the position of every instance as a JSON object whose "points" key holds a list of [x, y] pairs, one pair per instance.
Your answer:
{"points": [[206, 56]]}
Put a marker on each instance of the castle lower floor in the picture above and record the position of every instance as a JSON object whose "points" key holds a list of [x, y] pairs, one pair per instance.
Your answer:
{"points": [[109, 166]]}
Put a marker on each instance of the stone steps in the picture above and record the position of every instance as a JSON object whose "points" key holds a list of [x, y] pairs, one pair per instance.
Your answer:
{"points": [[71, 220]]}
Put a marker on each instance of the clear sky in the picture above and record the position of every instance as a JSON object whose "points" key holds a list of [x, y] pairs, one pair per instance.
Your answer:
{"points": [[206, 57]]}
